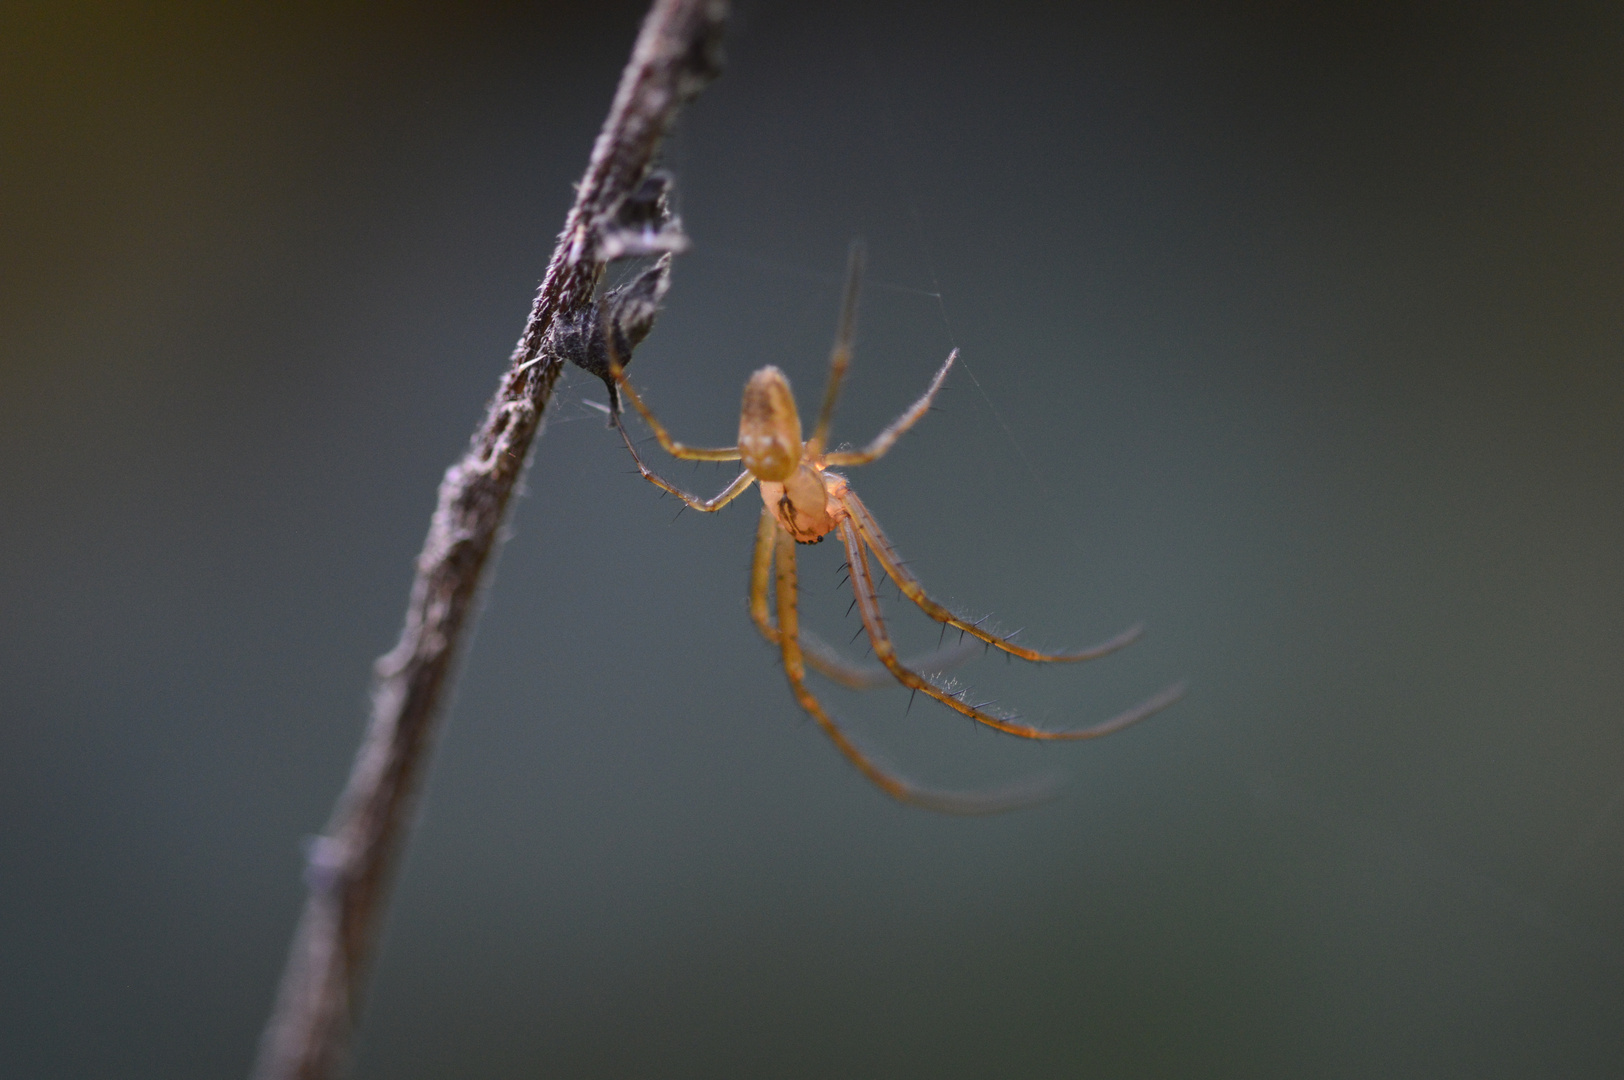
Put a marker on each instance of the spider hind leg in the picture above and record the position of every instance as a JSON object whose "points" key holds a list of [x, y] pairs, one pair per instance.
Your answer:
{"points": [[740, 484]]}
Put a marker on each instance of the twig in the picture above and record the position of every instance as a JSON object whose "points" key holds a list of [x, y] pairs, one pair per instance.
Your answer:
{"points": [[349, 870]]}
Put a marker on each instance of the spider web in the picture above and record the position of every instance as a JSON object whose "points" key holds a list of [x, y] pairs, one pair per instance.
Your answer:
{"points": [[900, 172]]}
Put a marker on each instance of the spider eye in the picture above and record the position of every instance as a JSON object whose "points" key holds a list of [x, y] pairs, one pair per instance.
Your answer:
{"points": [[769, 427]]}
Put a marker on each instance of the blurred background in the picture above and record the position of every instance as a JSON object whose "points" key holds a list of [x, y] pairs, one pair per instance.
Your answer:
{"points": [[1292, 330]]}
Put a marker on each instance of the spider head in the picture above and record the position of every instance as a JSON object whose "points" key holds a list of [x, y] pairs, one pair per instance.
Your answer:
{"points": [[769, 427]]}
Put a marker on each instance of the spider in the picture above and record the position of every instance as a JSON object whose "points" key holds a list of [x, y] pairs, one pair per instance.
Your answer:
{"points": [[802, 503]]}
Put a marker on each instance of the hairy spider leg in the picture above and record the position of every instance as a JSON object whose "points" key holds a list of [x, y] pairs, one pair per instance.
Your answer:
{"points": [[670, 445], [795, 669], [739, 486], [883, 550], [831, 665], [887, 438], [819, 656], [822, 659], [840, 355], [868, 604]]}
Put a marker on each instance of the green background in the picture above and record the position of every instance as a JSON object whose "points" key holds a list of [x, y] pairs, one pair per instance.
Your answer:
{"points": [[1295, 331]]}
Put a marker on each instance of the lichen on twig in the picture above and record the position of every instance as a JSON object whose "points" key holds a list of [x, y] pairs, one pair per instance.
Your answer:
{"points": [[620, 211]]}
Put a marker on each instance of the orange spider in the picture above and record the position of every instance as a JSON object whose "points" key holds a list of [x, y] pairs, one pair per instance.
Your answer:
{"points": [[802, 503]]}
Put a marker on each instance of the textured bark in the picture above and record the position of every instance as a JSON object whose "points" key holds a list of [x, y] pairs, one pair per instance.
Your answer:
{"points": [[350, 866]]}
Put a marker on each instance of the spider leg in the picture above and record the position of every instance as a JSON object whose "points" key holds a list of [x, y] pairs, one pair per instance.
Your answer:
{"points": [[840, 356], [671, 446], [831, 665], [877, 541], [740, 484], [819, 656], [894, 786], [885, 439], [761, 573], [869, 605]]}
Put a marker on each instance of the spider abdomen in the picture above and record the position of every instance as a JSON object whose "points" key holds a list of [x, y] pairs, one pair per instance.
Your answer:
{"points": [[769, 427]]}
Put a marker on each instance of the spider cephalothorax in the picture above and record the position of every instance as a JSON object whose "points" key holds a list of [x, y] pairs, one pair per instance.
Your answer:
{"points": [[802, 502]]}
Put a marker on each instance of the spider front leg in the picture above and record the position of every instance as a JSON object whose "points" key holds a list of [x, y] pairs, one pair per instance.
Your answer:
{"points": [[822, 659], [868, 604], [819, 656], [739, 486], [788, 633], [910, 587]]}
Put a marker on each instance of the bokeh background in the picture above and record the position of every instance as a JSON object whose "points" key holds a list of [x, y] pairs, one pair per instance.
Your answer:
{"points": [[1293, 330]]}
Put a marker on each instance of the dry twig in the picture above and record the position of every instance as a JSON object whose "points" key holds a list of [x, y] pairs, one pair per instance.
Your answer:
{"points": [[349, 872]]}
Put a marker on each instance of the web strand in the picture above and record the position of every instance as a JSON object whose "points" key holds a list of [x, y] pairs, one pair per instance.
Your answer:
{"points": [[899, 171]]}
